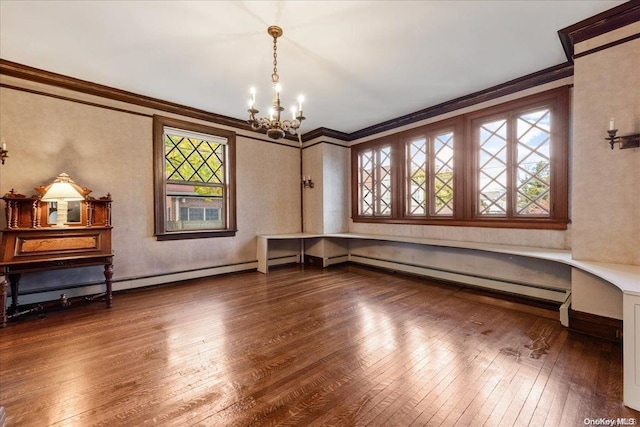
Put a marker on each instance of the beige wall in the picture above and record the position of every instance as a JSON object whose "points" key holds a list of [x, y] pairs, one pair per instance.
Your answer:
{"points": [[326, 206], [312, 165], [111, 152], [606, 183], [605, 196]]}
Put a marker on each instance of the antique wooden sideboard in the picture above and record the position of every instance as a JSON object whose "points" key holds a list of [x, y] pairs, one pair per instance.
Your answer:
{"points": [[31, 242]]}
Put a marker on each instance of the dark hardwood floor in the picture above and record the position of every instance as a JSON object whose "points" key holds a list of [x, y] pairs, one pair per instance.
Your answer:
{"points": [[340, 347]]}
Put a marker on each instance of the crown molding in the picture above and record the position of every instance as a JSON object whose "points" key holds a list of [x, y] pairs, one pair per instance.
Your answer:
{"points": [[37, 75], [602, 23]]}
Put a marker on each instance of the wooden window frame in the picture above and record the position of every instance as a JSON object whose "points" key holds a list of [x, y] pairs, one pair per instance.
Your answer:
{"points": [[160, 208], [455, 126], [465, 169], [375, 147]]}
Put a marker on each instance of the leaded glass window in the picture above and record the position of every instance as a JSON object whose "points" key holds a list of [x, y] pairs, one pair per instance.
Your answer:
{"points": [[442, 176], [503, 166], [374, 182], [533, 163], [417, 176], [429, 177], [514, 165], [492, 168], [194, 179]]}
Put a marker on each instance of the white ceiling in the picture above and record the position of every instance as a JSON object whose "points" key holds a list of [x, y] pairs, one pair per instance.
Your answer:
{"points": [[358, 63]]}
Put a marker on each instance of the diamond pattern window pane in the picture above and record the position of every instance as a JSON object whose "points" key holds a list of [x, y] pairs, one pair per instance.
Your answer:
{"points": [[195, 187], [492, 168], [383, 183], [442, 197], [533, 164], [374, 182], [365, 182], [193, 160], [416, 179]]}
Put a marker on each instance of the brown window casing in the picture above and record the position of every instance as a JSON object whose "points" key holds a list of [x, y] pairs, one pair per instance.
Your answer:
{"points": [[160, 192], [465, 181]]}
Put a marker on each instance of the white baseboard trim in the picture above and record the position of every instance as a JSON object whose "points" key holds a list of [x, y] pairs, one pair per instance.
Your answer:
{"points": [[335, 260], [564, 312], [291, 259]]}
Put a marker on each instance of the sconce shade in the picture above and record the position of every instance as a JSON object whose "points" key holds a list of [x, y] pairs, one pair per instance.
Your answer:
{"points": [[62, 188]]}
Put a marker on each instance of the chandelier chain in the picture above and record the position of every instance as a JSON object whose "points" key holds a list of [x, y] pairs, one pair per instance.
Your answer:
{"points": [[274, 76]]}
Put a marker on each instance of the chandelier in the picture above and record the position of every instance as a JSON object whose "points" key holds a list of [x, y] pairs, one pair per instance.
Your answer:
{"points": [[275, 127]]}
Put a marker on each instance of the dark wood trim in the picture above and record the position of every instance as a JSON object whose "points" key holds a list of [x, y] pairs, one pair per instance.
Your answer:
{"points": [[323, 132], [541, 224], [77, 101], [607, 46], [270, 141], [596, 326], [602, 23], [159, 122], [547, 75], [324, 142]]}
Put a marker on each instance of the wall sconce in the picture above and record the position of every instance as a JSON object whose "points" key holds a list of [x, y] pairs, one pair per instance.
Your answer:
{"points": [[62, 191], [624, 141], [4, 153], [307, 183]]}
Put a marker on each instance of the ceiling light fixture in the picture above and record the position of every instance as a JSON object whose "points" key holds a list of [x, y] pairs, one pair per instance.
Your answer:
{"points": [[275, 127]]}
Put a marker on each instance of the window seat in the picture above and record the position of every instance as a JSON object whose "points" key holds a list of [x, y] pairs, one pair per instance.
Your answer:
{"points": [[625, 277]]}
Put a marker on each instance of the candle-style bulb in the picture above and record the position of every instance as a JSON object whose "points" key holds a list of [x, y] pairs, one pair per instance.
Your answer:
{"points": [[252, 91], [300, 100], [612, 123]]}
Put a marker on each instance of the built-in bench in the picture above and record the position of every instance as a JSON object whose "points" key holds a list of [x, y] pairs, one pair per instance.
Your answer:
{"points": [[624, 277]]}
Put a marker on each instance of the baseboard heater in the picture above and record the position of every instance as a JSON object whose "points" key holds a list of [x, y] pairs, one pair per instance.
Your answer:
{"points": [[93, 288], [561, 296]]}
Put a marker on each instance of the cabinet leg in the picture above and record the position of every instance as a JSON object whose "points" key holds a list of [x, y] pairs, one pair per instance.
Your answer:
{"points": [[3, 302], [14, 280], [108, 274]]}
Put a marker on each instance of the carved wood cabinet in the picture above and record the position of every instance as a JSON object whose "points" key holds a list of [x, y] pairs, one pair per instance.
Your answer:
{"points": [[31, 242]]}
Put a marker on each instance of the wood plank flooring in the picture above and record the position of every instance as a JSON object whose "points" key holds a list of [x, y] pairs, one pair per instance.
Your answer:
{"points": [[347, 346]]}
